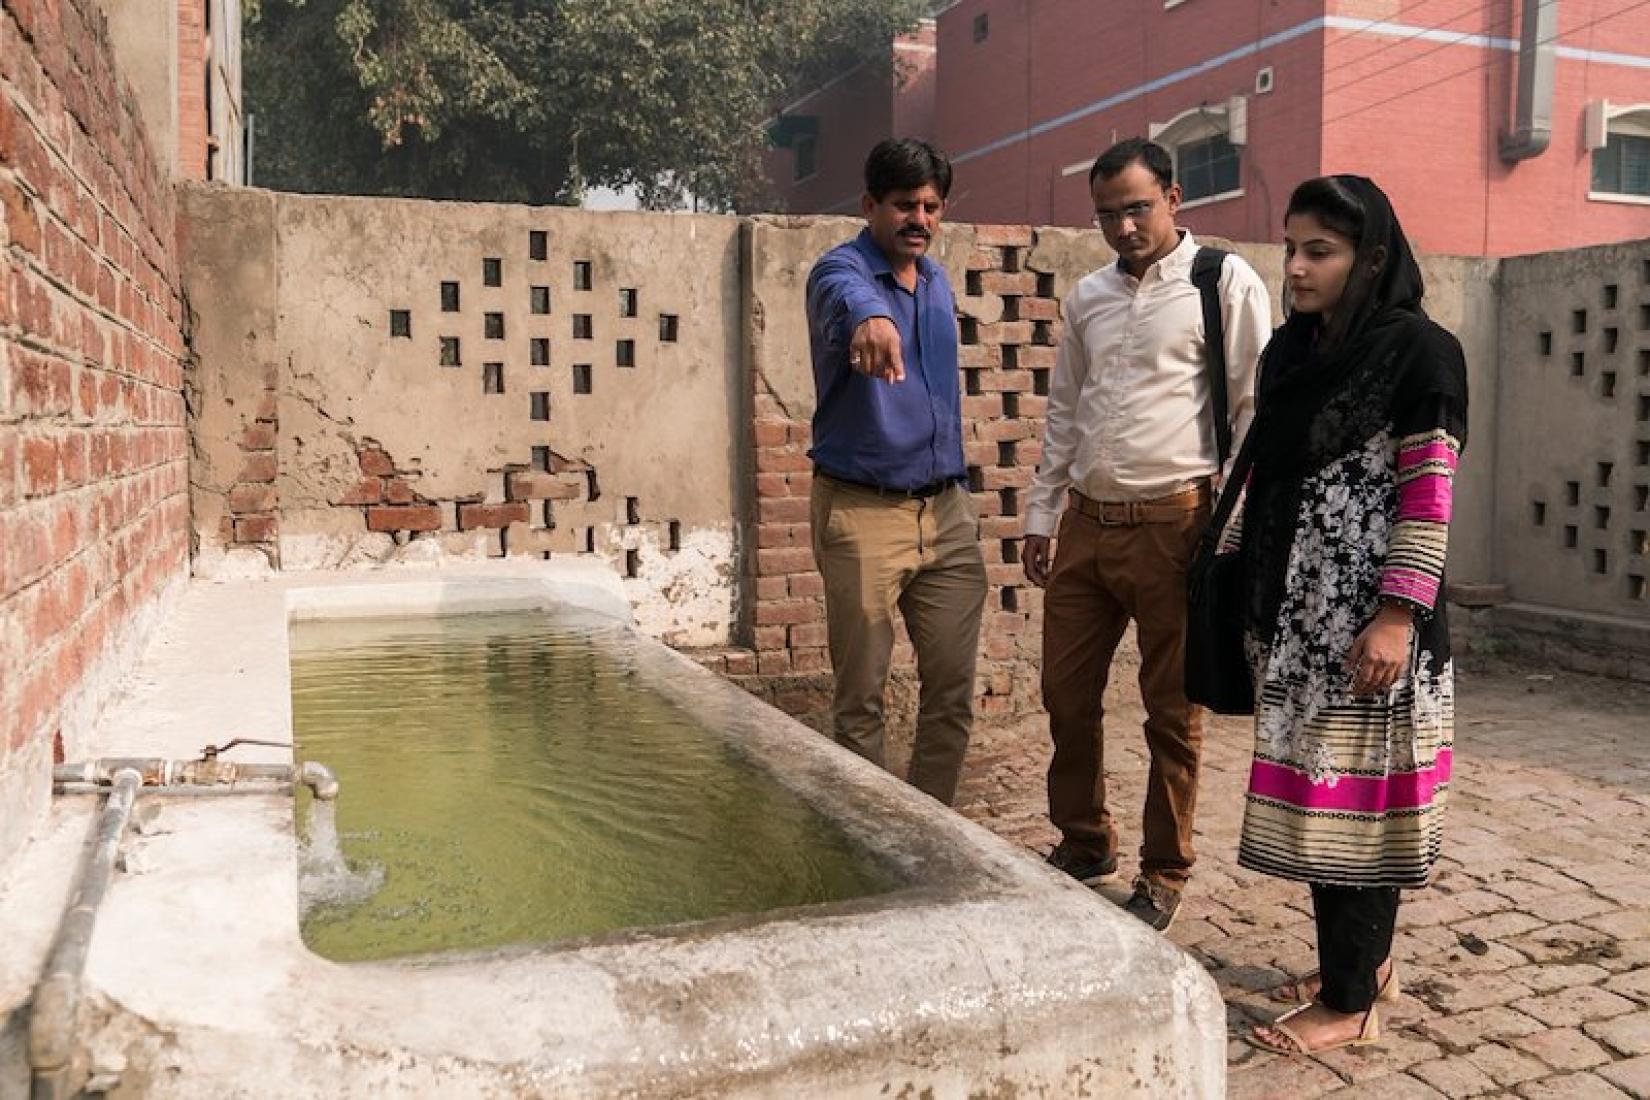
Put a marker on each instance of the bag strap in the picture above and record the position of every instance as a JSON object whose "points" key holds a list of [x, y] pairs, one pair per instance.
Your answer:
{"points": [[1206, 277]]}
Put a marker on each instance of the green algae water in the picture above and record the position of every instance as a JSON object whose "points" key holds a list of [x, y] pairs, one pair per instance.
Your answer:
{"points": [[510, 779]]}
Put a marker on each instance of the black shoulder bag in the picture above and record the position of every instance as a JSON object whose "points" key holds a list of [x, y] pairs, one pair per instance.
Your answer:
{"points": [[1217, 669]]}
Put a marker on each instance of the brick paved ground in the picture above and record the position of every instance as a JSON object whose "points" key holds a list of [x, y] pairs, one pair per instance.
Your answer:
{"points": [[1526, 968]]}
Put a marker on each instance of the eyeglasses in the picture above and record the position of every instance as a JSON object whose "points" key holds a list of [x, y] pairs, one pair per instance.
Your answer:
{"points": [[1132, 212]]}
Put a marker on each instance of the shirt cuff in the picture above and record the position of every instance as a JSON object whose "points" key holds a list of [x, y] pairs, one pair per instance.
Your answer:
{"points": [[860, 312], [1041, 521]]}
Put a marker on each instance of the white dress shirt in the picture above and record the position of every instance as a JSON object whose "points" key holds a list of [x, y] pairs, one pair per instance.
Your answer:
{"points": [[1129, 415]]}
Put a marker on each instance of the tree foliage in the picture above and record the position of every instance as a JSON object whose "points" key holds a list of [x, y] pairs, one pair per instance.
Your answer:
{"points": [[537, 100]]}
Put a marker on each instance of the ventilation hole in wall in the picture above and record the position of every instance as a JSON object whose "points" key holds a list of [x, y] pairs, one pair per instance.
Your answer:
{"points": [[592, 491], [539, 346], [541, 459], [1572, 493], [1010, 551], [1644, 452], [625, 353], [632, 510], [1578, 321], [1641, 498], [547, 515], [668, 324], [629, 302], [589, 540], [1011, 260], [632, 563], [583, 378], [1546, 342], [582, 277], [401, 323], [492, 271], [584, 328], [1611, 293], [971, 382], [540, 299], [492, 326], [1643, 414], [1005, 454], [1572, 536], [1011, 501], [1638, 543], [1601, 517], [1607, 384], [1601, 561], [540, 401], [1042, 332], [449, 351], [1636, 589], [1039, 381], [1011, 598], [976, 480], [974, 283], [1578, 363], [970, 331], [981, 29], [1644, 272], [1011, 308], [449, 297], [538, 245], [1644, 316], [1612, 337], [1011, 404], [1045, 284], [1604, 472], [673, 533], [492, 378], [1644, 362], [1538, 513]]}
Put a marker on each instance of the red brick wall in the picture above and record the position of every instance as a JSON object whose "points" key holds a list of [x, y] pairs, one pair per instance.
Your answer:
{"points": [[1006, 369], [93, 477]]}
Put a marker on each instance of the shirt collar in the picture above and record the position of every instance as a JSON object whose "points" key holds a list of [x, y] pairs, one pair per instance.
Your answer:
{"points": [[880, 266]]}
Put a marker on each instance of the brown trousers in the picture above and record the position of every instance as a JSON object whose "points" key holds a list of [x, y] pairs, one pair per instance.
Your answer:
{"points": [[1130, 564], [877, 553]]}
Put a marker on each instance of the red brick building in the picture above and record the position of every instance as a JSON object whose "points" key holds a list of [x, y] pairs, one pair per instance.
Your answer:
{"points": [[1422, 95]]}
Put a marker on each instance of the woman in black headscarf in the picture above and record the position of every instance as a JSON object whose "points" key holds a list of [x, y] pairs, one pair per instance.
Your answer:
{"points": [[1362, 416]]}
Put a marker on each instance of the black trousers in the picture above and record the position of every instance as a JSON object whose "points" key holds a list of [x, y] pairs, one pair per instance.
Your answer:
{"points": [[1354, 938]]}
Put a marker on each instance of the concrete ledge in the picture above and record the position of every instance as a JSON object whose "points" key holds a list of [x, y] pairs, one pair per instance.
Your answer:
{"points": [[1580, 641], [988, 974]]}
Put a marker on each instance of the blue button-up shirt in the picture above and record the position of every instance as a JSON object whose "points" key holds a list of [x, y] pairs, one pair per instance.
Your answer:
{"points": [[902, 435]]}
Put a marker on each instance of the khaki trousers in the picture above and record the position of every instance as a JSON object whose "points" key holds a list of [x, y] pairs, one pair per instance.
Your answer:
{"points": [[878, 552], [1107, 572]]}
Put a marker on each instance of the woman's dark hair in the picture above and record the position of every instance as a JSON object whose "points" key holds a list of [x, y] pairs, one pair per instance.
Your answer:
{"points": [[906, 164], [1339, 209]]}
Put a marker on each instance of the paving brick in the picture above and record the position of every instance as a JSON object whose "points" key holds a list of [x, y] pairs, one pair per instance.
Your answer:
{"points": [[1632, 1076], [1469, 1029], [1577, 1004], [1563, 1048], [1570, 1086], [1506, 1065], [1627, 1035], [1552, 976], [1454, 1077]]}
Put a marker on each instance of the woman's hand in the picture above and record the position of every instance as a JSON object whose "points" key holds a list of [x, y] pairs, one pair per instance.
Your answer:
{"points": [[1381, 651]]}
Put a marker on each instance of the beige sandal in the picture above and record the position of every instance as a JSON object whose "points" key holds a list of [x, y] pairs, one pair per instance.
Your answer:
{"points": [[1293, 993], [1294, 1044]]}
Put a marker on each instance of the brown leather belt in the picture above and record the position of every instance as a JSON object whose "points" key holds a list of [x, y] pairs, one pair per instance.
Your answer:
{"points": [[1127, 513]]}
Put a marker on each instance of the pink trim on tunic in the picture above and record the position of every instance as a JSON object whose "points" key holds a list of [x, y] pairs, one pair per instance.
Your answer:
{"points": [[1355, 793]]}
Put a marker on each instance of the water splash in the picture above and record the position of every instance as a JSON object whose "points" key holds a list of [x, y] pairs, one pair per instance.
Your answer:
{"points": [[325, 879]]}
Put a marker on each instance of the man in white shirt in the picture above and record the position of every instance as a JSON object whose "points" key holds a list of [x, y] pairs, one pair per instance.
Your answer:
{"points": [[1131, 435]]}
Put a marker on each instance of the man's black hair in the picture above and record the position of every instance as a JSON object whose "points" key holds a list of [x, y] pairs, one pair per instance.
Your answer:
{"points": [[1135, 150], [906, 164]]}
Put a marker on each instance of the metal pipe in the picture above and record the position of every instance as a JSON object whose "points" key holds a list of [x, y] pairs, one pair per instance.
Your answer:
{"points": [[56, 1006], [1532, 129]]}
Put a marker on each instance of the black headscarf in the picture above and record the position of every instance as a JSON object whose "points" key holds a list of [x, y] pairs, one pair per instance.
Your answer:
{"points": [[1326, 390]]}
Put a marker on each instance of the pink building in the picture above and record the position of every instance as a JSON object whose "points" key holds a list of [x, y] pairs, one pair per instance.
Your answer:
{"points": [[1488, 145]]}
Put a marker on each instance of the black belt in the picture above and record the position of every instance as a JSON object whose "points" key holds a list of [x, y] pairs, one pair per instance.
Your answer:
{"points": [[921, 492]]}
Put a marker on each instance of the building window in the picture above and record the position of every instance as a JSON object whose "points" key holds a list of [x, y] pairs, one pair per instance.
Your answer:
{"points": [[804, 168], [982, 26], [1207, 145], [1619, 137]]}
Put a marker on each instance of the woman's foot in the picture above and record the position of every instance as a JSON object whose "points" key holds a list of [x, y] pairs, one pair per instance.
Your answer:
{"points": [[1305, 989], [1316, 1028]]}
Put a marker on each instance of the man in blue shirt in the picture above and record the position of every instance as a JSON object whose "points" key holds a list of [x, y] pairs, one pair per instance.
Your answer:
{"points": [[893, 524]]}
